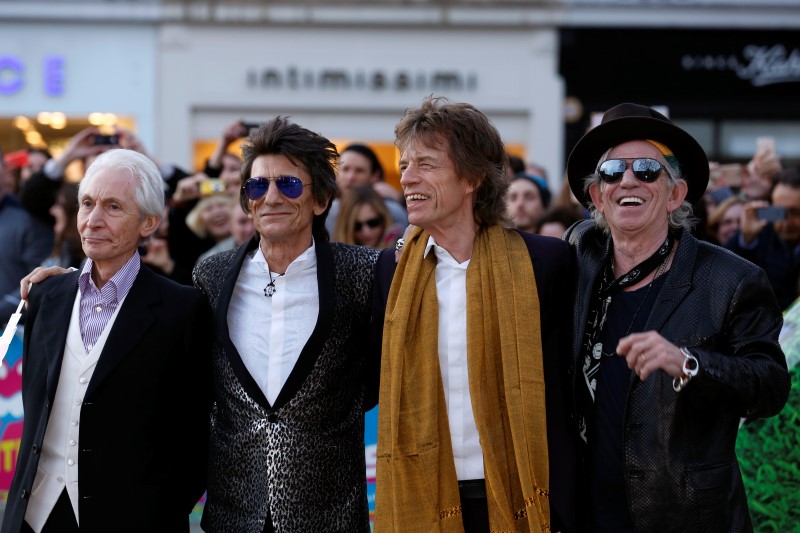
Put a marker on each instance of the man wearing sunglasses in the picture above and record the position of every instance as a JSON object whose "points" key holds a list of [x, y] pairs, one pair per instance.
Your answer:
{"points": [[472, 427], [675, 341], [291, 309]]}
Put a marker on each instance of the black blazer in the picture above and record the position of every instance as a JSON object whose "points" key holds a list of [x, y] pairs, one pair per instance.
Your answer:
{"points": [[552, 269], [144, 419]]}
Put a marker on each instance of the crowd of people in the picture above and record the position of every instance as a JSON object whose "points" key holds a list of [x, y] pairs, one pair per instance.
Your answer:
{"points": [[570, 361]]}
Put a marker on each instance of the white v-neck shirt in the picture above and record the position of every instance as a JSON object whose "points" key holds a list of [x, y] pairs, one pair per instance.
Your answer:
{"points": [[270, 332]]}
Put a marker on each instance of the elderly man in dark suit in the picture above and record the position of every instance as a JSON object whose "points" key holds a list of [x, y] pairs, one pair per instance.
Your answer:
{"points": [[116, 376], [291, 313], [473, 432]]}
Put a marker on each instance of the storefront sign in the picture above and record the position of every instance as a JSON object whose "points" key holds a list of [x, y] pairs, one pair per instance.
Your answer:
{"points": [[295, 78], [12, 75], [760, 65]]}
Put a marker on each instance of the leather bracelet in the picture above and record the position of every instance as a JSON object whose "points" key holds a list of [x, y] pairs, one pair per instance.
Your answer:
{"points": [[690, 368]]}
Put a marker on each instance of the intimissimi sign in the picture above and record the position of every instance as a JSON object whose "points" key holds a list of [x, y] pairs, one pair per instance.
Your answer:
{"points": [[325, 79]]}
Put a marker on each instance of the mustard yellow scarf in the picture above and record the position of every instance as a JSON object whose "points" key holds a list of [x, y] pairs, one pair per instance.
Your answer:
{"points": [[416, 485]]}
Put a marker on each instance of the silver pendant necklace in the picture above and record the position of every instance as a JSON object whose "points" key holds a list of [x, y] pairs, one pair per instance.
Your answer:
{"points": [[270, 289]]}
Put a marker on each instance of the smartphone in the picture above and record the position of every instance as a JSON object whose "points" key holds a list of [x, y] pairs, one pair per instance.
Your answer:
{"points": [[765, 145], [249, 126], [211, 186], [105, 140], [771, 213]]}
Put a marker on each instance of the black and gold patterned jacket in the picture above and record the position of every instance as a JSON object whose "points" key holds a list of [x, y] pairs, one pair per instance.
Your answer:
{"points": [[680, 463], [301, 461]]}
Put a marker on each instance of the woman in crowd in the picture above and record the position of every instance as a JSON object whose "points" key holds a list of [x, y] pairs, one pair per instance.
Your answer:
{"points": [[724, 219], [67, 250], [365, 220]]}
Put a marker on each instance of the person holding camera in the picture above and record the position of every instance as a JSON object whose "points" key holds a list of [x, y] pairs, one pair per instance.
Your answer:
{"points": [[769, 235], [219, 177], [39, 192]]}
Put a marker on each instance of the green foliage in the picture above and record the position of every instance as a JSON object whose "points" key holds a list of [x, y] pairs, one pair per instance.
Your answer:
{"points": [[769, 455]]}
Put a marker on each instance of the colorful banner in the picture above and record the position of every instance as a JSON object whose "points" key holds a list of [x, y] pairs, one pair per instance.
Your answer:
{"points": [[10, 412]]}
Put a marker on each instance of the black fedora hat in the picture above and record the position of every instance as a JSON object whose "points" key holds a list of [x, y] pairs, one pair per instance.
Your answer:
{"points": [[630, 122]]}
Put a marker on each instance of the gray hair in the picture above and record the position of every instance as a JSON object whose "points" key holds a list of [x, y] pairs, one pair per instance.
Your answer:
{"points": [[149, 192], [682, 217]]}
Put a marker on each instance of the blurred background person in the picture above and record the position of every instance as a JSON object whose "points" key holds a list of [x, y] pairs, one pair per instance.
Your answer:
{"points": [[242, 230], [224, 163], [555, 221], [37, 157], [771, 238], [364, 219], [67, 250], [566, 199], [724, 219], [358, 165], [210, 222], [758, 174], [24, 244], [526, 201], [219, 177], [21, 164], [38, 192], [210, 218]]}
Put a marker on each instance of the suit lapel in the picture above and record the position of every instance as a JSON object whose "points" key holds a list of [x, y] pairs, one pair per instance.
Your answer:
{"points": [[132, 322], [54, 315], [309, 354], [221, 323], [326, 287], [676, 285]]}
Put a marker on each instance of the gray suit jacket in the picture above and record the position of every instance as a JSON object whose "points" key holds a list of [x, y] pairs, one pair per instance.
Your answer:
{"points": [[301, 460]]}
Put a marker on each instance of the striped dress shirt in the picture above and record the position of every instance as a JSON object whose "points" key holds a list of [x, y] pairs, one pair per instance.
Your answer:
{"points": [[97, 305]]}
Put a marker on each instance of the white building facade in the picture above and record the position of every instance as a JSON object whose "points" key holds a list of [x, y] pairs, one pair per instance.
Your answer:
{"points": [[182, 71]]}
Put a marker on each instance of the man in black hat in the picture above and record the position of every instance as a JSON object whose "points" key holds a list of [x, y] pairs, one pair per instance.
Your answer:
{"points": [[676, 340]]}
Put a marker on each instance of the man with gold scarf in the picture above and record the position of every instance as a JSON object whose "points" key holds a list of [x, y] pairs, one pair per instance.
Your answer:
{"points": [[472, 427], [675, 341]]}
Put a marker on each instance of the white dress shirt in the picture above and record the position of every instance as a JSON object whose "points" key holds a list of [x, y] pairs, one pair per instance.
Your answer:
{"points": [[270, 332], [451, 292]]}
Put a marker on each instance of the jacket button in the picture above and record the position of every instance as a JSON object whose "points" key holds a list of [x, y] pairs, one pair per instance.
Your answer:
{"points": [[272, 417], [35, 449], [24, 494]]}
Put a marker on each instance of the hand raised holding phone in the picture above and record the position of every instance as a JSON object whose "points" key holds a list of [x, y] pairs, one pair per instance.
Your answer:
{"points": [[765, 162]]}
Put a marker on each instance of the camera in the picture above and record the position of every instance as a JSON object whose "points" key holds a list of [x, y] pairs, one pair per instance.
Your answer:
{"points": [[249, 126], [211, 186], [772, 213], [105, 140]]}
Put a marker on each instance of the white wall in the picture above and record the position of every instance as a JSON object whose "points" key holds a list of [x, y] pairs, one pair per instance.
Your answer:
{"points": [[107, 68], [203, 81]]}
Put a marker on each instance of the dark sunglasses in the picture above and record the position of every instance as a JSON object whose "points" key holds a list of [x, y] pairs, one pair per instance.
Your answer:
{"points": [[645, 169], [290, 186], [372, 223]]}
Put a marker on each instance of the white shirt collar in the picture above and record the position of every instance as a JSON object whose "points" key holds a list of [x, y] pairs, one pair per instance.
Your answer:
{"points": [[305, 260], [442, 254]]}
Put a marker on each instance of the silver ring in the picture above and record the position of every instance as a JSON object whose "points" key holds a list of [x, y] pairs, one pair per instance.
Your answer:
{"points": [[398, 246]]}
